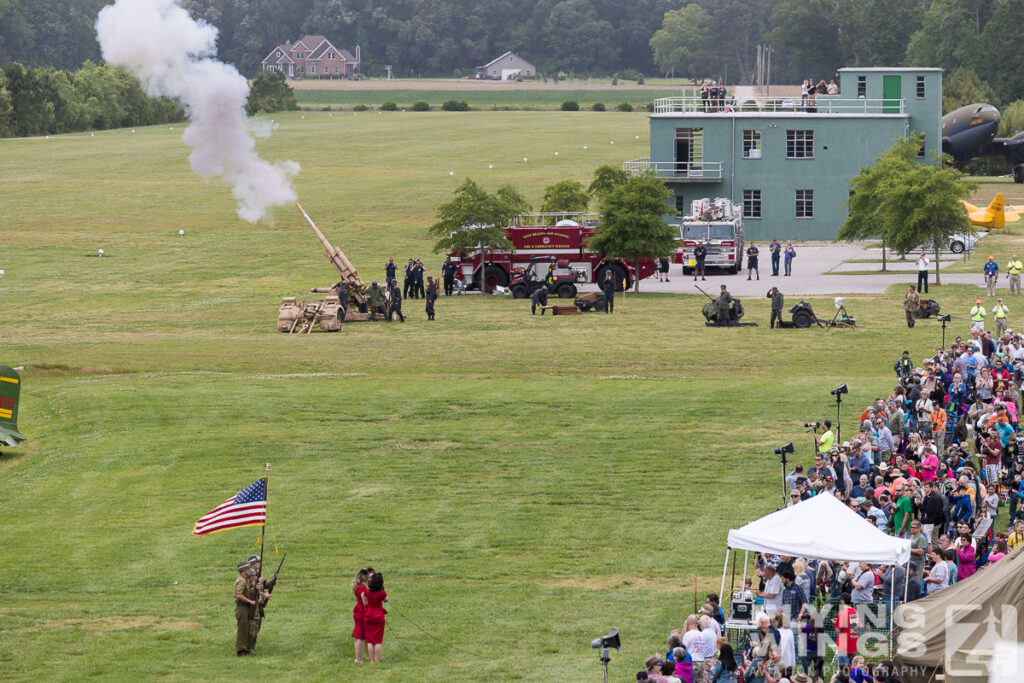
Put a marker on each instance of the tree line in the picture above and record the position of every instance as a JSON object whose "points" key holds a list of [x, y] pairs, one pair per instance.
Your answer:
{"points": [[695, 38], [45, 100]]}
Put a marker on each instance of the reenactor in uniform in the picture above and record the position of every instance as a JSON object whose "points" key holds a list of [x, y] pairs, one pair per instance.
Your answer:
{"points": [[376, 300], [700, 252], [911, 305], [538, 298], [396, 302], [431, 297], [777, 301], [724, 306], [262, 588], [343, 298], [417, 280], [608, 287], [448, 272], [245, 598]]}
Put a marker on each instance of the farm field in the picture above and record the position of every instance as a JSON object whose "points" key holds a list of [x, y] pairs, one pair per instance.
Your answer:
{"points": [[536, 99], [524, 483]]}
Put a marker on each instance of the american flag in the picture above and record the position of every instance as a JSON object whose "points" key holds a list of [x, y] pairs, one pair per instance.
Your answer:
{"points": [[247, 508]]}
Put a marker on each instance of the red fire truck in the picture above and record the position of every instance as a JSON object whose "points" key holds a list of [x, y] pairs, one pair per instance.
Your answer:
{"points": [[561, 235], [719, 225]]}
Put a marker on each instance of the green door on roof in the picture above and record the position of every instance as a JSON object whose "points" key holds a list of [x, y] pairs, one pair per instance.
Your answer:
{"points": [[890, 94]]}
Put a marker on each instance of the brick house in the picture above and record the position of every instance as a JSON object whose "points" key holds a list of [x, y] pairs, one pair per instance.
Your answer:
{"points": [[506, 68], [312, 57]]}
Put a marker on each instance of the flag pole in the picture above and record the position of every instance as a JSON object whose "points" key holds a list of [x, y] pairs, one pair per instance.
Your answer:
{"points": [[263, 531]]}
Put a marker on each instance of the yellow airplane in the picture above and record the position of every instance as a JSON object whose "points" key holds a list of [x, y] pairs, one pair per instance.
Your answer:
{"points": [[995, 216]]}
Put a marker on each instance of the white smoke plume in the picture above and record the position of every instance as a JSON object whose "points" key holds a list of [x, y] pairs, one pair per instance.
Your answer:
{"points": [[175, 56]]}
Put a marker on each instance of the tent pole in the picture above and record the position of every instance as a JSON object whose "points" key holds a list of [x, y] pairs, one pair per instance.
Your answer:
{"points": [[725, 568], [732, 581], [746, 560]]}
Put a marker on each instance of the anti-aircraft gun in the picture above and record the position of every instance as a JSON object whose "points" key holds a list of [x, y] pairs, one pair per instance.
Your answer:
{"points": [[345, 302]]}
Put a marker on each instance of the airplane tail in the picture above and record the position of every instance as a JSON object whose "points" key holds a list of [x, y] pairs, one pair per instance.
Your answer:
{"points": [[10, 391], [998, 211]]}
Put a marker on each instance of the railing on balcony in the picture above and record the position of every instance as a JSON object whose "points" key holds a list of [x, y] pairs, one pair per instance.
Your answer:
{"points": [[705, 170], [823, 104]]}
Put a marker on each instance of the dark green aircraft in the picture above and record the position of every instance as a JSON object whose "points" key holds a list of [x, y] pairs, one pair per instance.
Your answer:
{"points": [[10, 390], [971, 131]]}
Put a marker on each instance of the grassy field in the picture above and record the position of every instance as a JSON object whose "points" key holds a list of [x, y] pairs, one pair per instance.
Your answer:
{"points": [[524, 483], [484, 99]]}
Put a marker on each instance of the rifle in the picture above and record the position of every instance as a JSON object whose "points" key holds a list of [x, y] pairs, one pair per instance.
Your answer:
{"points": [[253, 610]]}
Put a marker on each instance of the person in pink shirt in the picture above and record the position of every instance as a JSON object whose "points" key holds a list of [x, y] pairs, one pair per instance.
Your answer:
{"points": [[965, 558], [929, 466], [999, 551]]}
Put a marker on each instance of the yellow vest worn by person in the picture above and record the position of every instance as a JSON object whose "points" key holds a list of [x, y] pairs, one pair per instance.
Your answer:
{"points": [[977, 313], [1015, 267]]}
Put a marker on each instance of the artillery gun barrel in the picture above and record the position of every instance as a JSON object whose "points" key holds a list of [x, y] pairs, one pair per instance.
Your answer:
{"points": [[323, 290], [705, 293], [338, 259]]}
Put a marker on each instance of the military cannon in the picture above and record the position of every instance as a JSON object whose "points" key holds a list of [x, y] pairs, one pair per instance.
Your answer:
{"points": [[710, 311], [345, 302]]}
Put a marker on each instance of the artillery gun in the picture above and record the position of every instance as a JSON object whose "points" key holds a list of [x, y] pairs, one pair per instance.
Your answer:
{"points": [[345, 302], [710, 311]]}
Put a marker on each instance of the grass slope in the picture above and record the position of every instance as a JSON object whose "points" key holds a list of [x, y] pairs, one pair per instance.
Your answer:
{"points": [[524, 482]]}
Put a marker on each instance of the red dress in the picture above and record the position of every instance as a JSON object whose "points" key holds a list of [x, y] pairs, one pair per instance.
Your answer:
{"points": [[358, 611], [373, 619]]}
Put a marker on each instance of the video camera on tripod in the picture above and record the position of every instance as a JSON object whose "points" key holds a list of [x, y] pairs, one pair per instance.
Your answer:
{"points": [[813, 426]]}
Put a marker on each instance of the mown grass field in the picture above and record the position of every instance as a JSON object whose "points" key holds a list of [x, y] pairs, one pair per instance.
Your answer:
{"points": [[524, 483], [484, 99]]}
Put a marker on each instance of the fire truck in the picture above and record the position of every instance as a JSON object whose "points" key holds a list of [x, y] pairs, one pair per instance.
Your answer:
{"points": [[719, 225], [560, 235]]}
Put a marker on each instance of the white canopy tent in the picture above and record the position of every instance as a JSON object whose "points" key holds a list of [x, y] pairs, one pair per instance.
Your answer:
{"points": [[819, 528]]}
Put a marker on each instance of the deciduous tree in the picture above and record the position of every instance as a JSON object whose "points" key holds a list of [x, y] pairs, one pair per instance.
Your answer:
{"points": [[565, 196], [632, 225], [907, 203]]}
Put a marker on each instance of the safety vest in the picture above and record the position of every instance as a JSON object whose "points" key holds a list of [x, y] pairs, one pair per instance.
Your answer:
{"points": [[977, 313], [1015, 267], [1000, 311]]}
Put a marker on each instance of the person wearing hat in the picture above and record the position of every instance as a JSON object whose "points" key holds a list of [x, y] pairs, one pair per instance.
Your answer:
{"points": [[395, 307], [608, 287], [539, 298], [912, 305], [431, 296], [1014, 267], [417, 279], [977, 314], [991, 275], [263, 588], [724, 306], [376, 301], [999, 312], [245, 598], [777, 302]]}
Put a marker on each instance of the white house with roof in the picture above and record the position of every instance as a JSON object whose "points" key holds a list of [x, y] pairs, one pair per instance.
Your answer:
{"points": [[506, 68], [312, 56]]}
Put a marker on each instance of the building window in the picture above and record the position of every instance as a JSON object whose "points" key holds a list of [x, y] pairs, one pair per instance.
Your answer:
{"points": [[312, 69], [680, 205], [805, 203], [920, 152], [862, 86], [335, 69], [751, 203], [751, 144], [920, 87], [510, 58], [799, 144]]}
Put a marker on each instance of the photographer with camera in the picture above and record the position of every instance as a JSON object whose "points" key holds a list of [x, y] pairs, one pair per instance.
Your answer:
{"points": [[827, 438], [904, 368]]}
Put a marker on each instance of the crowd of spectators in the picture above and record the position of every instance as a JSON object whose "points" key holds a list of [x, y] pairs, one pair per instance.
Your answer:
{"points": [[933, 462]]}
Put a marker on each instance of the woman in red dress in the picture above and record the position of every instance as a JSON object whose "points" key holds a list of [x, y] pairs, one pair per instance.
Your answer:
{"points": [[373, 618], [360, 590]]}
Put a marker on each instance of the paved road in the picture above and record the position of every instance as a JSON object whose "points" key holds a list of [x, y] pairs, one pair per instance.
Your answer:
{"points": [[810, 276]]}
